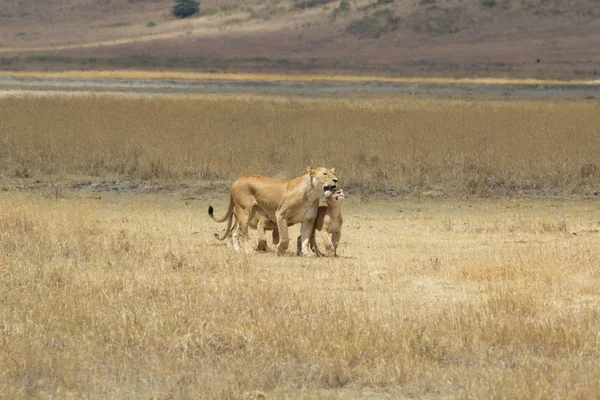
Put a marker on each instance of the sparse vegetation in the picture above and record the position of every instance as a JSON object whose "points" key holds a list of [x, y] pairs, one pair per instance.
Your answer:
{"points": [[435, 20], [343, 9], [118, 24], [268, 12], [345, 5], [370, 7], [228, 9], [374, 25], [150, 61], [302, 4], [488, 3], [50, 59], [210, 11]]}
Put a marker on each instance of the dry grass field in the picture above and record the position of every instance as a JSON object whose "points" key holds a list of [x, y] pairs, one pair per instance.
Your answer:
{"points": [[474, 283], [400, 145], [130, 296]]}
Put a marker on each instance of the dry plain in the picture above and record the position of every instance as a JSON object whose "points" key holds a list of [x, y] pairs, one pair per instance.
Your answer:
{"points": [[468, 267]]}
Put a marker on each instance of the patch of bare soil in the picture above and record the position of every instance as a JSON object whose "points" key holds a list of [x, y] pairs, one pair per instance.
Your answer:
{"points": [[59, 187], [127, 186]]}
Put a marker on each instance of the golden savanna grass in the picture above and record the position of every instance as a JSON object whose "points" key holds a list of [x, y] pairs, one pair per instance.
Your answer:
{"points": [[128, 295], [467, 147]]}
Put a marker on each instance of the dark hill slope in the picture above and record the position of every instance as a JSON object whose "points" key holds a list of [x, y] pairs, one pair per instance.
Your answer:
{"points": [[536, 38]]}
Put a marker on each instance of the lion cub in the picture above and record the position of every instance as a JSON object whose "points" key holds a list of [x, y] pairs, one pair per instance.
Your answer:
{"points": [[329, 222]]}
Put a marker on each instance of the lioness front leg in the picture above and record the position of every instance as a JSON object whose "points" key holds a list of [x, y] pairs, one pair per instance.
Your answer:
{"points": [[312, 245], [284, 239], [306, 229]]}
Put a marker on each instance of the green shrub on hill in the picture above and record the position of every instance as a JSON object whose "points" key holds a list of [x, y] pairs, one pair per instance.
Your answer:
{"points": [[185, 8]]}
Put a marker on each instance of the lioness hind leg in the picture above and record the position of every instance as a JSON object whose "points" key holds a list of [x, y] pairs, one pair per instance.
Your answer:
{"points": [[235, 239], [299, 245], [262, 238], [261, 245], [242, 232]]}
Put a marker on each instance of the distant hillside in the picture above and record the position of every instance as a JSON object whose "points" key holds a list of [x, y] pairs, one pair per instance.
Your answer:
{"points": [[520, 38]]}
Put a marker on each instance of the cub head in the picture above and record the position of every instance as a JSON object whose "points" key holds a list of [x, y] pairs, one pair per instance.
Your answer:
{"points": [[336, 199], [338, 195], [325, 179]]}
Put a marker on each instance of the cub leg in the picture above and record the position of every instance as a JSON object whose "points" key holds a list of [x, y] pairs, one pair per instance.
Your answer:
{"points": [[313, 245], [335, 239], [327, 240]]}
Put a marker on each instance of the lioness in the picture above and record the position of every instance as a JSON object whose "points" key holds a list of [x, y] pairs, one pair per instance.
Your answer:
{"points": [[329, 222], [286, 202]]}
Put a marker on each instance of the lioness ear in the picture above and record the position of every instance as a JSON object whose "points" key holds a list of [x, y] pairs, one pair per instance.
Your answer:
{"points": [[332, 170], [311, 171]]}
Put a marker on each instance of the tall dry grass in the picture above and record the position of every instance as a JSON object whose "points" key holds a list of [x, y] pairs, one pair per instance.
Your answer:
{"points": [[131, 297], [459, 147]]}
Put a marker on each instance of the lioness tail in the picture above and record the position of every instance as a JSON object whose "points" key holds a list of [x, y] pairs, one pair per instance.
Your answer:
{"points": [[228, 216]]}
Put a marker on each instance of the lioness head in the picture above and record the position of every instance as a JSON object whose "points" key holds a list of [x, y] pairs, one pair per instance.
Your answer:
{"points": [[324, 178]]}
